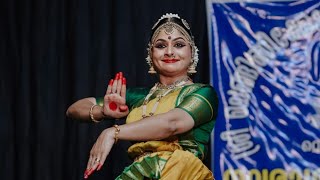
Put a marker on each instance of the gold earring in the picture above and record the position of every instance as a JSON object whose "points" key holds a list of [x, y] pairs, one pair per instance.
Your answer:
{"points": [[192, 69], [151, 70]]}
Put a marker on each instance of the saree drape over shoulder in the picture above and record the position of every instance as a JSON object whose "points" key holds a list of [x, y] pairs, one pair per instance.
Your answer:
{"points": [[180, 156]]}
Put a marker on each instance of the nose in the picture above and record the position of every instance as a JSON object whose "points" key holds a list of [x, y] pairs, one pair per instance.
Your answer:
{"points": [[170, 52]]}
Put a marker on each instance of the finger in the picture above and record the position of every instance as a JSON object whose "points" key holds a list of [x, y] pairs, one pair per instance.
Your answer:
{"points": [[86, 172], [99, 167], [115, 83], [92, 156], [88, 167], [109, 86], [86, 175], [97, 160], [97, 164], [120, 75], [119, 83], [89, 172], [94, 162], [123, 87], [94, 167], [105, 154], [89, 162], [123, 108]]}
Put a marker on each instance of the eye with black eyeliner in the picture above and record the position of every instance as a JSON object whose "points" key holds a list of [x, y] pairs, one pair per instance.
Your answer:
{"points": [[160, 45], [179, 45]]}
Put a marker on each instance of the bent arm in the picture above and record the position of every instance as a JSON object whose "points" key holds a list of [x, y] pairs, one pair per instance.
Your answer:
{"points": [[115, 95], [156, 127], [80, 110], [195, 110]]}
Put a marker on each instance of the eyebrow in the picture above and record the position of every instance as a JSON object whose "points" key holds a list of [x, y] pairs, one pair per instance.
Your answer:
{"points": [[172, 39]]}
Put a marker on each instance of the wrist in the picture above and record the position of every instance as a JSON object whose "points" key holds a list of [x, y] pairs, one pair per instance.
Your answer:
{"points": [[113, 134], [110, 134], [116, 133], [96, 113]]}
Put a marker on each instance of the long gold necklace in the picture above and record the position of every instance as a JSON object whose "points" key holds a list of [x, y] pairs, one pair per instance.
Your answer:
{"points": [[158, 86]]}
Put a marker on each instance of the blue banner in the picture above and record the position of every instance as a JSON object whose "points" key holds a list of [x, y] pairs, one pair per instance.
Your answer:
{"points": [[265, 66]]}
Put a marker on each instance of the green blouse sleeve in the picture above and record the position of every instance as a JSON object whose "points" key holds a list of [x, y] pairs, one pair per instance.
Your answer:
{"points": [[99, 101], [202, 105]]}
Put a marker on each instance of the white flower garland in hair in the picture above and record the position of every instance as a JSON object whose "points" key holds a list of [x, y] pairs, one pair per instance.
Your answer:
{"points": [[148, 58], [195, 58]]}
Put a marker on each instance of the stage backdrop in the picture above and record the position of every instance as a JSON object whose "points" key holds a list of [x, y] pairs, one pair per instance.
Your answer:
{"points": [[265, 66], [54, 52]]}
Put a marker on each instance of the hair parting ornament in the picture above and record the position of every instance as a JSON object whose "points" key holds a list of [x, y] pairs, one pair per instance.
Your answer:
{"points": [[169, 22]]}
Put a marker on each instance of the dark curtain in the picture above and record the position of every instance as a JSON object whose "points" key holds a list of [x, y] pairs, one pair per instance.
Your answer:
{"points": [[54, 52]]}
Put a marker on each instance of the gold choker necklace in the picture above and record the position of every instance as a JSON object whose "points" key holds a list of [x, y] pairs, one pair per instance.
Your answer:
{"points": [[159, 86], [173, 85]]}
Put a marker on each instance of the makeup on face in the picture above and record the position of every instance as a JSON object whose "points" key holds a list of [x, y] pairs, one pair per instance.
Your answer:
{"points": [[171, 53]]}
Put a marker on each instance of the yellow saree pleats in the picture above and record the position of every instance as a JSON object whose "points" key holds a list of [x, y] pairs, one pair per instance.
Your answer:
{"points": [[148, 167], [184, 165], [166, 165], [164, 160]]}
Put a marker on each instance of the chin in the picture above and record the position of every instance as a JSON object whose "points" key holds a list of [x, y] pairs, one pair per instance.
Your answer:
{"points": [[171, 72]]}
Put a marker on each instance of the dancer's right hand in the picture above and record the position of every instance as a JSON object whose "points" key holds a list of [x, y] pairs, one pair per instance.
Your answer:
{"points": [[115, 98]]}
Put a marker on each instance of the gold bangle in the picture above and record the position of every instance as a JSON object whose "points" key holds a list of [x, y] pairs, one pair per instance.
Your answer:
{"points": [[116, 133], [91, 114]]}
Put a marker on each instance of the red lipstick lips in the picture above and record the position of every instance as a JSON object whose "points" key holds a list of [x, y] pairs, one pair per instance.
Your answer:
{"points": [[170, 60]]}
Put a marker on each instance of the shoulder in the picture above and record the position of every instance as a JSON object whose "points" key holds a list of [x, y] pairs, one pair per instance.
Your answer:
{"points": [[200, 101], [205, 90], [198, 87]]}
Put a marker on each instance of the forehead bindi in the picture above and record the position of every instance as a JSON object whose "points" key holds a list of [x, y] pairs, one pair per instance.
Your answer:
{"points": [[175, 35]]}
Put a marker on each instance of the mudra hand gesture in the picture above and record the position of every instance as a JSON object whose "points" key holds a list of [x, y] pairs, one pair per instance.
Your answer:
{"points": [[100, 151], [114, 104]]}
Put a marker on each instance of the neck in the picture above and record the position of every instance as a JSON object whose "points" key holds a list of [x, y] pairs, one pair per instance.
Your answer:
{"points": [[165, 80]]}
